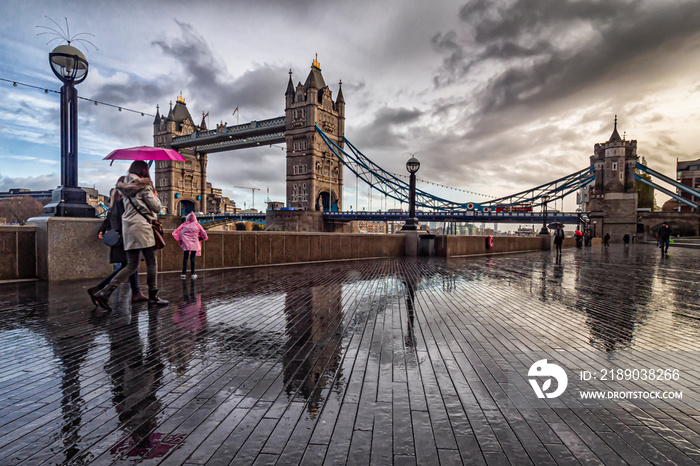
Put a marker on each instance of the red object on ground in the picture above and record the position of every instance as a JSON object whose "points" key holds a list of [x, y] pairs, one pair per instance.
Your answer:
{"points": [[145, 153]]}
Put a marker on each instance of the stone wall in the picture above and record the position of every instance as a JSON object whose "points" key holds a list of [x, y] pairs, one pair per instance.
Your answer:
{"points": [[68, 248], [226, 249], [449, 246], [55, 249], [17, 252]]}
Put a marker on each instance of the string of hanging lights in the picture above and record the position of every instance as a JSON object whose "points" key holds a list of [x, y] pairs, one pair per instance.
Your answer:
{"points": [[443, 186], [96, 102]]}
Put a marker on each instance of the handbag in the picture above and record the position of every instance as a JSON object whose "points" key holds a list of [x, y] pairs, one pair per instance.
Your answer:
{"points": [[158, 234], [111, 238], [156, 226]]}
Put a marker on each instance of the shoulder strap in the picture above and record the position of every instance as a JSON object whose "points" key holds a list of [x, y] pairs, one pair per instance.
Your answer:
{"points": [[137, 209]]}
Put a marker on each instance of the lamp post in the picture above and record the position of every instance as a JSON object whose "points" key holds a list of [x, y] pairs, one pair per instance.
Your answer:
{"points": [[412, 165], [544, 230], [578, 221], [68, 200]]}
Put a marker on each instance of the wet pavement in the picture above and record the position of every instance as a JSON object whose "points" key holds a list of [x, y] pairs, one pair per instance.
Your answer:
{"points": [[398, 361]]}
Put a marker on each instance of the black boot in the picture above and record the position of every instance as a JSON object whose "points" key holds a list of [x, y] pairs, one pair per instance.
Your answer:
{"points": [[91, 291], [102, 296], [154, 300]]}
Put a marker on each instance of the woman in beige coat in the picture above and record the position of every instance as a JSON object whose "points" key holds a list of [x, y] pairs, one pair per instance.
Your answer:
{"points": [[141, 205]]}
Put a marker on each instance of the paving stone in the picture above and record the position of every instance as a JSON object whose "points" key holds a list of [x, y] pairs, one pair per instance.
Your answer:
{"points": [[403, 361]]}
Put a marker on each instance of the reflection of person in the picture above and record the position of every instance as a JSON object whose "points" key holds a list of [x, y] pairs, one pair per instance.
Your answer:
{"points": [[190, 315], [558, 238], [189, 236], [117, 255], [136, 379], [664, 237], [141, 204]]}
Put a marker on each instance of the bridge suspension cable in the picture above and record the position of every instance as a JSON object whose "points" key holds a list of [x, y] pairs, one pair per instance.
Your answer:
{"points": [[392, 186]]}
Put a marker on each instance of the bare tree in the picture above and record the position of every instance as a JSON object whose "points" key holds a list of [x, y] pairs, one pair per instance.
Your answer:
{"points": [[19, 209]]}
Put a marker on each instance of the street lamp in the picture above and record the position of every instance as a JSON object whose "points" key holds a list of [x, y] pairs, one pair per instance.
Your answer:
{"points": [[544, 230], [70, 66], [578, 216], [412, 165]]}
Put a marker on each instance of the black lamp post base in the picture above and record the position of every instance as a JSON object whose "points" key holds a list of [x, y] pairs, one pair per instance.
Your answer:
{"points": [[544, 231], [410, 225], [68, 202]]}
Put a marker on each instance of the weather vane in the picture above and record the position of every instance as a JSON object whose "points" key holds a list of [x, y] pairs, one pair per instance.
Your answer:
{"points": [[61, 34]]}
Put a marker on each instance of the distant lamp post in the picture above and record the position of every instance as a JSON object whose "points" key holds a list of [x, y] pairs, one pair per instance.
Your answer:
{"points": [[578, 216], [70, 66], [412, 165], [544, 230]]}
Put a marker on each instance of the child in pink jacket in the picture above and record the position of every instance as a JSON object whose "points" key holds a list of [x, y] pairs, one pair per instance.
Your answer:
{"points": [[189, 236]]}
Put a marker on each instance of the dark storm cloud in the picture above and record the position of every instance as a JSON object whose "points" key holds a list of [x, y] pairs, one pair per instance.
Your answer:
{"points": [[382, 132], [207, 86], [260, 91], [537, 61]]}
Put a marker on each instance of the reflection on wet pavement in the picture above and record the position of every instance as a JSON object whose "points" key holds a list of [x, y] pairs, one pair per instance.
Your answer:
{"points": [[382, 361]]}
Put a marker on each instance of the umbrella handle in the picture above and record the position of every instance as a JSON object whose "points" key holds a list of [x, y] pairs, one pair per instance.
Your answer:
{"points": [[150, 163]]}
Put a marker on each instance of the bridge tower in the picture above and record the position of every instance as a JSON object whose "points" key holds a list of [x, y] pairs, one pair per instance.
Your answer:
{"points": [[181, 186], [314, 174], [613, 200]]}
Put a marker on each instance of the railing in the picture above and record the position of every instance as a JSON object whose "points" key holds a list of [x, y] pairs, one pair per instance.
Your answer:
{"points": [[232, 130], [462, 216]]}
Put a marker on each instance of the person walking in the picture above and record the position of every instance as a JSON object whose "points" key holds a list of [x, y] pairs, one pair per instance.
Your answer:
{"points": [[606, 239], [664, 237], [626, 239], [117, 255], [558, 238], [141, 204], [189, 236]]}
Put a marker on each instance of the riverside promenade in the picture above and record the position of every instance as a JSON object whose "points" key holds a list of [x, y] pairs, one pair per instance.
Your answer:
{"points": [[403, 361]]}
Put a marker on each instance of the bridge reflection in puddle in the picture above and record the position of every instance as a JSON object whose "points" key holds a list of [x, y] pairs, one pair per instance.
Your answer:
{"points": [[391, 360]]}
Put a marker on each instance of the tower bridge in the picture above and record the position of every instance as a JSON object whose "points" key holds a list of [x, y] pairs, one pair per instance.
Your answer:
{"points": [[317, 151]]}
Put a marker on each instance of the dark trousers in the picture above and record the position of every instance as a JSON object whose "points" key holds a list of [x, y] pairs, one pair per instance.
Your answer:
{"points": [[133, 279], [133, 256], [665, 243], [192, 255], [558, 247]]}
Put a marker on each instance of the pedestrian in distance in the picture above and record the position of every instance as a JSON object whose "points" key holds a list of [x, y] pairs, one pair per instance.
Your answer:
{"points": [[626, 239], [141, 205], [558, 238], [117, 255], [606, 239], [664, 237], [189, 236]]}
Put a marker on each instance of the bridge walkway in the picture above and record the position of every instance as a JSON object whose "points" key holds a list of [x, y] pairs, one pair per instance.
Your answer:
{"points": [[377, 361]]}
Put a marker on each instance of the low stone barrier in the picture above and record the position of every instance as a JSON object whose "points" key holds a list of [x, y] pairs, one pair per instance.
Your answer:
{"points": [[451, 246], [57, 249], [17, 252], [244, 248]]}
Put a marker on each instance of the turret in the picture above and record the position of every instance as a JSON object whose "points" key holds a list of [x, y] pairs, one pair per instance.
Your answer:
{"points": [[289, 94]]}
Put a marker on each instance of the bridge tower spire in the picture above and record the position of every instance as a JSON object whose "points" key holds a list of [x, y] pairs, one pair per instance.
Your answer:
{"points": [[314, 174], [181, 186], [613, 199]]}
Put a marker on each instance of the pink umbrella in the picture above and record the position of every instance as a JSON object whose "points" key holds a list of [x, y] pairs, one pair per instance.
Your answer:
{"points": [[145, 153]]}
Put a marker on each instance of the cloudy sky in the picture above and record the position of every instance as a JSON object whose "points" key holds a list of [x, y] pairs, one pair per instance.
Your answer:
{"points": [[493, 96]]}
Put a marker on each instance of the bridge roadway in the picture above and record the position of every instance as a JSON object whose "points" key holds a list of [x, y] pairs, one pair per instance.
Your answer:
{"points": [[251, 134], [403, 361], [464, 216]]}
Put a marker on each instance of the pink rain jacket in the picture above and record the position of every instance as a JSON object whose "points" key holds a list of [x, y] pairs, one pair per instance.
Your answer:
{"points": [[189, 234]]}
